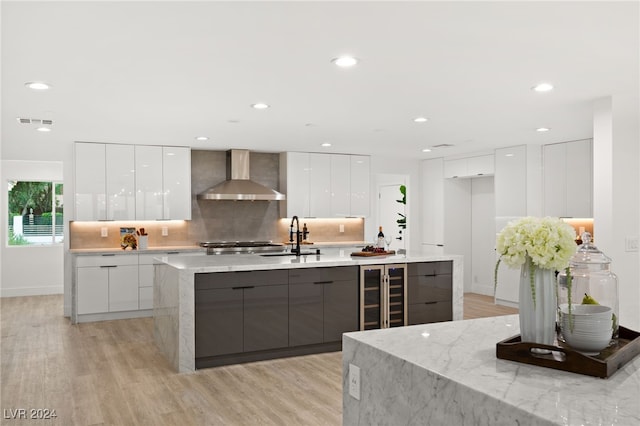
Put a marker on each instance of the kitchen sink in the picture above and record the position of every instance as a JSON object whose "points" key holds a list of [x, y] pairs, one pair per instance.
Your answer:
{"points": [[303, 253]]}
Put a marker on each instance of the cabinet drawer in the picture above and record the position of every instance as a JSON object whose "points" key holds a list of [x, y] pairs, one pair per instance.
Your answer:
{"points": [[107, 260], [425, 288], [312, 275], [430, 312], [430, 268], [212, 280]]}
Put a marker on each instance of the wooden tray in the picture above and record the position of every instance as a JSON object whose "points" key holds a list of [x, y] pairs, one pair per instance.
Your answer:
{"points": [[371, 253], [564, 358]]}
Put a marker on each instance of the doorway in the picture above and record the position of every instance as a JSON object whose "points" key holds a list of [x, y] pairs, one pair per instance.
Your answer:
{"points": [[390, 210]]}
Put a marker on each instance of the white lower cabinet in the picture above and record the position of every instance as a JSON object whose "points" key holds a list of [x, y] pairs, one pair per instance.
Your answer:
{"points": [[93, 290], [123, 288], [106, 284]]}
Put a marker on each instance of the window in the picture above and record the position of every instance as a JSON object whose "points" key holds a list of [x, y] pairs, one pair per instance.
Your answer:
{"points": [[35, 213]]}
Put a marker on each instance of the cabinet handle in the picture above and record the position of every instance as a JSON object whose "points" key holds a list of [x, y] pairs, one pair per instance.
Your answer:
{"points": [[109, 266], [430, 275], [173, 252], [108, 254], [323, 282], [430, 303], [242, 287]]}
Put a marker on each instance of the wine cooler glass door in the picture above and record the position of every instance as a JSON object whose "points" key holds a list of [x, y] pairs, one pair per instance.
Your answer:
{"points": [[371, 298]]}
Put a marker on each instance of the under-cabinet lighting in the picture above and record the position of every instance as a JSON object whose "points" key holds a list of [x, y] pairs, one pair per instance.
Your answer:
{"points": [[542, 129], [421, 119], [202, 138], [260, 105], [326, 144], [426, 150], [44, 129]]}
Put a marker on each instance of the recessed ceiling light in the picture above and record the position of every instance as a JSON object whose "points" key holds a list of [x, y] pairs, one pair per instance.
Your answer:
{"points": [[202, 138], [44, 129], [37, 85], [420, 119], [426, 150], [543, 87], [542, 129], [345, 61], [260, 106], [326, 144]]}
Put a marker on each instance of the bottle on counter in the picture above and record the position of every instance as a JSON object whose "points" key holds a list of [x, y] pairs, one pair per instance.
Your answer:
{"points": [[380, 243]]}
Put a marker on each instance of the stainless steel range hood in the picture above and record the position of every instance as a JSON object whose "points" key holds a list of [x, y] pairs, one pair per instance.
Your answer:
{"points": [[238, 186]]}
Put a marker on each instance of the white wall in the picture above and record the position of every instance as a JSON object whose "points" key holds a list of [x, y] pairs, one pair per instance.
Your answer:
{"points": [[616, 197], [30, 270]]}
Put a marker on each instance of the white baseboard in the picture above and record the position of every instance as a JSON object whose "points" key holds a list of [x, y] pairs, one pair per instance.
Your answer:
{"points": [[31, 291], [484, 289], [507, 303]]}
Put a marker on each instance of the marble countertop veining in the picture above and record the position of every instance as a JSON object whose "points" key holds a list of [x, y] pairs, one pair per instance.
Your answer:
{"points": [[464, 352], [247, 262]]}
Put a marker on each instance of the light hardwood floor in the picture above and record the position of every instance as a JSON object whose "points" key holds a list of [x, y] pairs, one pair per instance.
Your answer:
{"points": [[110, 373]]}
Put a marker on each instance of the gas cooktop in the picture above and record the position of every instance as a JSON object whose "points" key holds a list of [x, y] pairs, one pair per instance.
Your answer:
{"points": [[230, 247]]}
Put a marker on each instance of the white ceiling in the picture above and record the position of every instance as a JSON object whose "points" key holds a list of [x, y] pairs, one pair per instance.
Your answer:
{"points": [[166, 72]]}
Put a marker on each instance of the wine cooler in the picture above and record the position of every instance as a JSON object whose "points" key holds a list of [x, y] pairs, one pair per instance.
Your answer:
{"points": [[383, 296]]}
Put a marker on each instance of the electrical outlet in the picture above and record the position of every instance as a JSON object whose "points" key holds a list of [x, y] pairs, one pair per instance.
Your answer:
{"points": [[631, 243], [104, 231], [341, 227], [354, 381], [165, 231]]}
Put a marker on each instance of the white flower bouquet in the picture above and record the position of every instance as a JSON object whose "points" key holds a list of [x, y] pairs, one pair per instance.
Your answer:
{"points": [[548, 242]]}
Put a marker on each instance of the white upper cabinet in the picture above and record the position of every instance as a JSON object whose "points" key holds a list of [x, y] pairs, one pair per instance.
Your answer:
{"points": [[360, 173], [120, 166], [176, 171], [324, 185], [568, 179], [132, 182], [482, 165], [320, 185], [90, 181], [510, 181], [294, 182], [149, 182], [340, 186]]}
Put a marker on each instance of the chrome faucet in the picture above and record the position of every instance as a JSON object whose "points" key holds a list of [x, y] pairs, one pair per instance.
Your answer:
{"points": [[299, 235]]}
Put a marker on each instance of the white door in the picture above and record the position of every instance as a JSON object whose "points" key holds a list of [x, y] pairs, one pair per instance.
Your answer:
{"points": [[389, 211]]}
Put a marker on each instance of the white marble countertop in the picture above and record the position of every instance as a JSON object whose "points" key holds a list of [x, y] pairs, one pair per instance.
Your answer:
{"points": [[151, 250], [462, 355], [249, 262]]}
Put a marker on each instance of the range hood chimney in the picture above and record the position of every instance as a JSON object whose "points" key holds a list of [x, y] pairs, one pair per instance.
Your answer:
{"points": [[238, 186]]}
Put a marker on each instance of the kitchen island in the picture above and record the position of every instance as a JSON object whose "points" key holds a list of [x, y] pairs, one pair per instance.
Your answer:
{"points": [[448, 373], [175, 281]]}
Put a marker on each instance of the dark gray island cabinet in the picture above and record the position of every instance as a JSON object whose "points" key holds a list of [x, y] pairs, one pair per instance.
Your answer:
{"points": [[217, 310], [430, 292], [252, 315], [323, 304]]}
